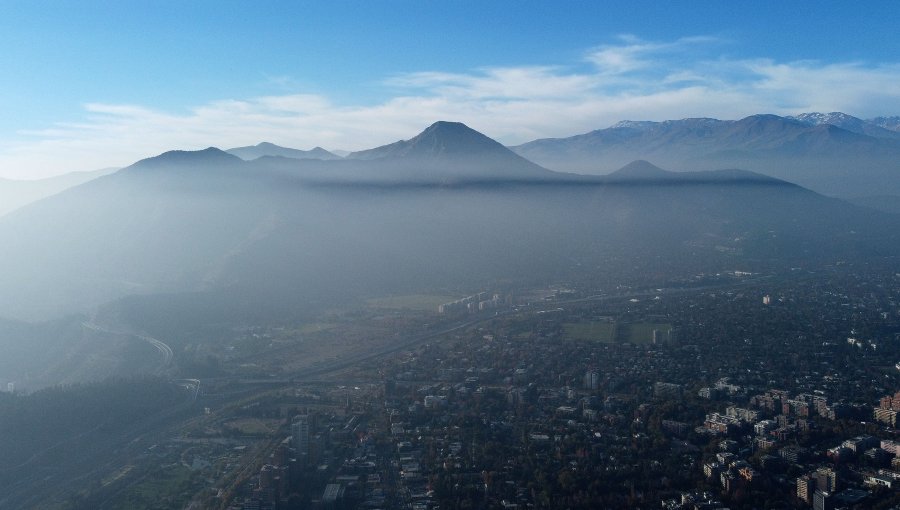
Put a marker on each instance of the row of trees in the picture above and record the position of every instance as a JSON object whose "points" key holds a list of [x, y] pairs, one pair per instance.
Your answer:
{"points": [[54, 417]]}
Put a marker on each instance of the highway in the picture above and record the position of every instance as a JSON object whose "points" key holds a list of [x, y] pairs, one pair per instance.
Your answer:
{"points": [[468, 321], [164, 350]]}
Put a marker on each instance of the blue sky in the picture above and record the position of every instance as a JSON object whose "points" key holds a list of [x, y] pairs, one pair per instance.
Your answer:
{"points": [[85, 85]]}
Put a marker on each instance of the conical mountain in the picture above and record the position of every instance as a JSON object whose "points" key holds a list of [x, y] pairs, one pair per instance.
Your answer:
{"points": [[450, 151], [440, 140], [640, 170]]}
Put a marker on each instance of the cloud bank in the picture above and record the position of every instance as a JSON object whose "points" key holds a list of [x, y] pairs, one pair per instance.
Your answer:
{"points": [[631, 79]]}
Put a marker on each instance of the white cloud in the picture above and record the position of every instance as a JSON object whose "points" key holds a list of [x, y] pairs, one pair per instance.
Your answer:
{"points": [[510, 83], [634, 79]]}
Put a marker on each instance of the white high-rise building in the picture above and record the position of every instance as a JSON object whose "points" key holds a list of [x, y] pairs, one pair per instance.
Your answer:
{"points": [[592, 379], [300, 434]]}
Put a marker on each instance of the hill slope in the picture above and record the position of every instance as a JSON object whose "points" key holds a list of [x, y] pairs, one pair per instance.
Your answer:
{"points": [[15, 193], [267, 236]]}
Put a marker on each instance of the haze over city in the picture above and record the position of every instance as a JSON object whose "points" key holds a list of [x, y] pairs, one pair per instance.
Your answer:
{"points": [[447, 256]]}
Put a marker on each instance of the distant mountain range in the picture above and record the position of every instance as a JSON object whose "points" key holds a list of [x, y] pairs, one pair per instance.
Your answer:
{"points": [[832, 153], [835, 154], [448, 208], [892, 123], [270, 149], [872, 127]]}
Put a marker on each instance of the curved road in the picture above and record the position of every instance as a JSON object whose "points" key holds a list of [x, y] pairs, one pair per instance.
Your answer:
{"points": [[164, 350]]}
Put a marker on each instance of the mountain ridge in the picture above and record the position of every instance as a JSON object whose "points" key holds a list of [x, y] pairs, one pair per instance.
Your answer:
{"points": [[211, 156], [823, 157], [848, 122], [262, 149], [15, 194]]}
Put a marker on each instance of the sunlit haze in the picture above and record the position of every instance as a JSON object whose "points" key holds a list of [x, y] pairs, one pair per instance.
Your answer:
{"points": [[449, 255]]}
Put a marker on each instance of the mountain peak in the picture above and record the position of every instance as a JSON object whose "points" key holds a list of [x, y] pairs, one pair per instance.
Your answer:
{"points": [[640, 170], [452, 150], [445, 138], [637, 125], [437, 141], [847, 122], [838, 119], [889, 123], [768, 119], [206, 157], [448, 125], [261, 149]]}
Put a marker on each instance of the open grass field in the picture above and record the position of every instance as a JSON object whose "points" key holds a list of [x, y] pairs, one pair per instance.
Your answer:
{"points": [[253, 426], [611, 332], [591, 331], [315, 327], [642, 332], [169, 487], [410, 302]]}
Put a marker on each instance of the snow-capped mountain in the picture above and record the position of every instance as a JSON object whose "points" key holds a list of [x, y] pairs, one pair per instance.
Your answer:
{"points": [[848, 122], [891, 123]]}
